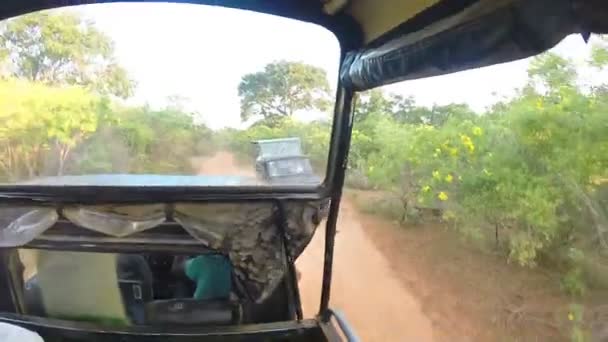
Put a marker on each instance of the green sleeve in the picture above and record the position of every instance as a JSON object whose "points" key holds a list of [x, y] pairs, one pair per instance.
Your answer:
{"points": [[193, 268]]}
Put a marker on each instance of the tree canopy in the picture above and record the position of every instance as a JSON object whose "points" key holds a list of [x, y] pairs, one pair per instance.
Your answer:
{"points": [[57, 118], [62, 49], [282, 89]]}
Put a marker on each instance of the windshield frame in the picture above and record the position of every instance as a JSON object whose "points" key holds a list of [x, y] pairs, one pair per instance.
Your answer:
{"points": [[94, 332], [348, 36]]}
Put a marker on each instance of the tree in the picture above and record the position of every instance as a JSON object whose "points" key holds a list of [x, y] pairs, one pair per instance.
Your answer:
{"points": [[552, 71], [403, 109], [62, 49], [282, 89], [599, 53], [436, 116], [372, 103], [41, 126]]}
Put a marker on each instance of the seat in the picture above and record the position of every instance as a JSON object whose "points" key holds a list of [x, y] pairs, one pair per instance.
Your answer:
{"points": [[99, 287], [135, 281], [193, 312]]}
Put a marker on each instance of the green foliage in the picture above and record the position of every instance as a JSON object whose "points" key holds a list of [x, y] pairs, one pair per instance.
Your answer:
{"points": [[599, 54], [50, 130], [552, 70], [62, 49], [163, 141], [40, 121], [282, 89], [375, 103], [524, 174]]}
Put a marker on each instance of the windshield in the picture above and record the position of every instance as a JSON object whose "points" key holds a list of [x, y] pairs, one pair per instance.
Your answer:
{"points": [[105, 95], [289, 167]]}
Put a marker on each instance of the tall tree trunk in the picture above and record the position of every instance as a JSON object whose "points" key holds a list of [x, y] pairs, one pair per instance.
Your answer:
{"points": [[63, 156]]}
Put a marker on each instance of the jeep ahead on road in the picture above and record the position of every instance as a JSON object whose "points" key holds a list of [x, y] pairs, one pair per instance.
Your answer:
{"points": [[280, 161]]}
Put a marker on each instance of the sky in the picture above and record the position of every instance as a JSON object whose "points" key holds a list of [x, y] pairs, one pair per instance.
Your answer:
{"points": [[200, 53]]}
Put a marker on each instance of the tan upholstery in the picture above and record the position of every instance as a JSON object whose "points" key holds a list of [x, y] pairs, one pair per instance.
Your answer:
{"points": [[80, 286]]}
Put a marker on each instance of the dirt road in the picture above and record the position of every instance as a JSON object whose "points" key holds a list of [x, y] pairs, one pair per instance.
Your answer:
{"points": [[364, 286]]}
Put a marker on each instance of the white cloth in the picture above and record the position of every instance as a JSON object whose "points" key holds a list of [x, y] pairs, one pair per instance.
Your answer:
{"points": [[13, 333]]}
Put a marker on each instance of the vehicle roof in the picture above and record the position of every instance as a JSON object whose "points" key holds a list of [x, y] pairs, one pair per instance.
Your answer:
{"points": [[385, 41], [265, 141], [283, 157]]}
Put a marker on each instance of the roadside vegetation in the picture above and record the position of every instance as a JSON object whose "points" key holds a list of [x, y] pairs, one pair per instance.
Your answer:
{"points": [[529, 175], [62, 108]]}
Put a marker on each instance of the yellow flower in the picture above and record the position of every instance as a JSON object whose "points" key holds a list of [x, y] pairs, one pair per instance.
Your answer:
{"points": [[443, 196], [570, 316], [453, 152], [467, 142], [436, 174], [449, 178], [477, 131], [426, 188], [438, 150]]}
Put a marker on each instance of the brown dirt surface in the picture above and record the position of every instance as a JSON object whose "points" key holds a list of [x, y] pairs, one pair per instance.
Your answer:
{"points": [[221, 163], [364, 286], [470, 292]]}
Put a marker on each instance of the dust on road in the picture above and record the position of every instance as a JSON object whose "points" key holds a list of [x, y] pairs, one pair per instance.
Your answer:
{"points": [[364, 287]]}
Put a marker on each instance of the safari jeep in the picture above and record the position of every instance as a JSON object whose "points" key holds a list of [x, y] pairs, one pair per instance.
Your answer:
{"points": [[130, 247], [282, 161]]}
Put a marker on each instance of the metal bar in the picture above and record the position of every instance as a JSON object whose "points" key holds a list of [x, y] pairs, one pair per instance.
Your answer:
{"points": [[52, 195], [53, 328], [8, 300], [346, 328], [292, 281], [92, 245], [343, 130]]}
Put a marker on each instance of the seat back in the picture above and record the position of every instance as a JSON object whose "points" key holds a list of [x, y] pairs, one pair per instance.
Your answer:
{"points": [[135, 282], [80, 286]]}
